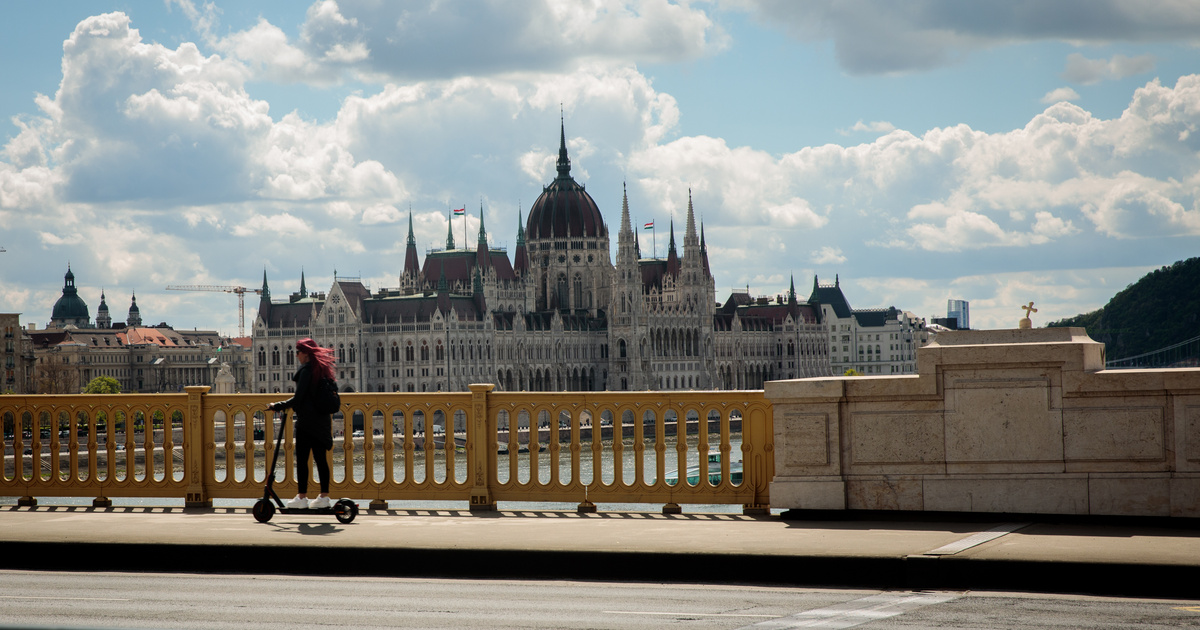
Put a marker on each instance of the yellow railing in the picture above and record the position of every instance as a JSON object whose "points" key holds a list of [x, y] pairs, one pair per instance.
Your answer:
{"points": [[480, 446]]}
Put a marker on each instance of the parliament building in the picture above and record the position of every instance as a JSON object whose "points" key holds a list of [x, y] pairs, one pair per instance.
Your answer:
{"points": [[560, 315]]}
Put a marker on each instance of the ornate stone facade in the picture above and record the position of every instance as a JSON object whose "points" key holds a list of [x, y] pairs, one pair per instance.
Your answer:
{"points": [[560, 315]]}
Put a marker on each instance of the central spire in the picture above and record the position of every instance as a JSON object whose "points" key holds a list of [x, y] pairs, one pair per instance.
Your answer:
{"points": [[564, 163]]}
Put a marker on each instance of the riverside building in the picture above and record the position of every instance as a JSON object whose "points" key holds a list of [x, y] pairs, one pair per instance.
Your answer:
{"points": [[559, 315], [72, 350]]}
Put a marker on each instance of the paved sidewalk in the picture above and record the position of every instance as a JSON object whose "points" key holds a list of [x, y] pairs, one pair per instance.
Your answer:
{"points": [[1116, 559]]}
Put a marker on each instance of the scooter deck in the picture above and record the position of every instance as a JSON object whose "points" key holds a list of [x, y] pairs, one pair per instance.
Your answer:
{"points": [[287, 510]]}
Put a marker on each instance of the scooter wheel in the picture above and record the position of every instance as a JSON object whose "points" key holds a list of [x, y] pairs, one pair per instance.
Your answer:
{"points": [[345, 510], [263, 510]]}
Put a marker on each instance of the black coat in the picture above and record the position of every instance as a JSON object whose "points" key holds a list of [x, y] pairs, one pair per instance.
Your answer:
{"points": [[312, 424]]}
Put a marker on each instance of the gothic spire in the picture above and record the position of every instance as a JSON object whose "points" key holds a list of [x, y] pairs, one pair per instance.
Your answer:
{"points": [[625, 223], [449, 231], [521, 256], [412, 266], [303, 289], [564, 163], [672, 254], [691, 219]]}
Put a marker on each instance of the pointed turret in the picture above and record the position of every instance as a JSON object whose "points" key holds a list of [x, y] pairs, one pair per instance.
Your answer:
{"points": [[704, 253], [303, 288], [672, 254], [450, 231], [626, 224], [627, 248], [135, 315], [521, 262], [264, 300], [412, 265], [792, 293], [103, 319], [564, 163]]}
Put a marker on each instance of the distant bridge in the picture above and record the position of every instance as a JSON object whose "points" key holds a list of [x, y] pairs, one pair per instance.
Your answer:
{"points": [[1181, 355]]}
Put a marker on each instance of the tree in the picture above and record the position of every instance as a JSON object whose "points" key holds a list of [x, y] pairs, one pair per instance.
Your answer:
{"points": [[852, 372], [55, 376], [103, 385]]}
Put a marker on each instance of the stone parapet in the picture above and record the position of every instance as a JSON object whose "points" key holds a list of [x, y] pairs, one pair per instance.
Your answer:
{"points": [[1017, 421]]}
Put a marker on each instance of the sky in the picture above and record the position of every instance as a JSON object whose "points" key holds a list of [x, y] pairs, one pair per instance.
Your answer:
{"points": [[999, 152]]}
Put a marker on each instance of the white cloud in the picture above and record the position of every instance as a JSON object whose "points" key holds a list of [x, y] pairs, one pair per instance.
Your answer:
{"points": [[879, 126], [381, 213], [50, 238], [393, 41], [1080, 69], [1060, 94], [272, 226], [828, 255]]}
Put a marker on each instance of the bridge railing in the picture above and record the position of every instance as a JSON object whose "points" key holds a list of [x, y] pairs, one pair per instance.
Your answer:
{"points": [[669, 448]]}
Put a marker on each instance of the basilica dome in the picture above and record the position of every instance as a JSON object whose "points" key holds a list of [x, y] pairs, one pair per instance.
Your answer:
{"points": [[70, 308], [564, 209]]}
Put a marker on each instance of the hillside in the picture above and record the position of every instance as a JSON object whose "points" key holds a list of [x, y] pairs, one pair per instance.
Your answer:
{"points": [[1160, 309]]}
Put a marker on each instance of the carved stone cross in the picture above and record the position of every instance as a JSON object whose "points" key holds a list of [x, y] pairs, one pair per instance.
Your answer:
{"points": [[1025, 322]]}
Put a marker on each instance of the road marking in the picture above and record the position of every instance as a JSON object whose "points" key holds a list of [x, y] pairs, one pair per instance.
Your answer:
{"points": [[976, 539], [680, 614], [1189, 608], [67, 599], [855, 612]]}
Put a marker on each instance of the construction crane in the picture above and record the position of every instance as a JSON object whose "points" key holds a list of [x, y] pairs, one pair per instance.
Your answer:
{"points": [[240, 291]]}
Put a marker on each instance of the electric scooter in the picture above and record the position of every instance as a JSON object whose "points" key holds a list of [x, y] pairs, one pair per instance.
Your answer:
{"points": [[344, 509]]}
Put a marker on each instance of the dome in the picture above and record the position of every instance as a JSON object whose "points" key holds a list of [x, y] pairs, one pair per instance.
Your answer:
{"points": [[564, 209], [70, 308]]}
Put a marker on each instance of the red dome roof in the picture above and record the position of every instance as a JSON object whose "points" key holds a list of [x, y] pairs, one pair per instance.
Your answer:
{"points": [[564, 209]]}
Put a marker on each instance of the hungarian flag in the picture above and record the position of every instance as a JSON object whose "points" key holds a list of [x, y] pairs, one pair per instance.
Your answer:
{"points": [[648, 226], [460, 211]]}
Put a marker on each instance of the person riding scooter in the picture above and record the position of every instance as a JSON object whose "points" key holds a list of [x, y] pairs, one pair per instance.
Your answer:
{"points": [[313, 429]]}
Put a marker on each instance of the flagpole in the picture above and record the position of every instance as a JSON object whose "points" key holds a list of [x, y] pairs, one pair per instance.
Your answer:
{"points": [[465, 241]]}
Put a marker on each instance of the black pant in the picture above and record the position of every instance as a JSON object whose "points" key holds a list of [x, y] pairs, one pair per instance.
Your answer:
{"points": [[304, 446]]}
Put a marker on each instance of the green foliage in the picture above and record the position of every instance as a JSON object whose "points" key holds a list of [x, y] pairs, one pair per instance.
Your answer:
{"points": [[852, 372], [1157, 311], [103, 385]]}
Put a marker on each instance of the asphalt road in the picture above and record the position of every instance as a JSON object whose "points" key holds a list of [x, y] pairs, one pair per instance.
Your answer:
{"points": [[125, 600]]}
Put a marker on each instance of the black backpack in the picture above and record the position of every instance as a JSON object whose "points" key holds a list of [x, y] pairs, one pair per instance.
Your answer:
{"points": [[327, 398]]}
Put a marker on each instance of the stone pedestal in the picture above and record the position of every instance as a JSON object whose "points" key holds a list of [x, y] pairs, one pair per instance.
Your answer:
{"points": [[1024, 421]]}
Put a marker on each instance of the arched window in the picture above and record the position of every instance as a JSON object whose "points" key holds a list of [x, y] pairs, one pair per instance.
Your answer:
{"points": [[341, 353], [262, 357], [275, 355]]}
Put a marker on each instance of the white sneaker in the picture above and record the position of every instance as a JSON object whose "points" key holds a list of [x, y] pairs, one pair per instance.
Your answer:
{"points": [[319, 503], [299, 503]]}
